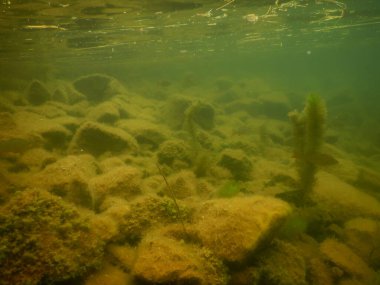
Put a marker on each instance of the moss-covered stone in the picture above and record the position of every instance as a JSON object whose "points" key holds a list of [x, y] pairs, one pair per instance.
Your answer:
{"points": [[165, 260], [37, 93], [97, 139], [234, 228], [44, 238], [172, 151], [236, 161]]}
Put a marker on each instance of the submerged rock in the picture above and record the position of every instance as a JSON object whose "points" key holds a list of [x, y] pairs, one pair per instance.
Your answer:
{"points": [[123, 181], [97, 139], [37, 93], [345, 259], [54, 134], [342, 200], [165, 260], [14, 138], [236, 161], [203, 115], [172, 152], [68, 178], [146, 133], [98, 87], [43, 239], [37, 158], [283, 264], [106, 112], [110, 275], [233, 228]]}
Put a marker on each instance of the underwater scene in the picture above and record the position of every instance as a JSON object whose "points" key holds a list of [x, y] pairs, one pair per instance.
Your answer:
{"points": [[189, 142]]}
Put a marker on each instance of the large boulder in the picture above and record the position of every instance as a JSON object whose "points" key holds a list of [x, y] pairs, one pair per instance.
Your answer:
{"points": [[98, 87], [97, 139], [54, 134], [342, 200], [37, 93], [68, 178], [237, 162], [147, 134], [105, 112], [233, 228], [123, 181], [283, 264], [165, 260], [45, 240], [346, 260], [14, 138], [174, 153]]}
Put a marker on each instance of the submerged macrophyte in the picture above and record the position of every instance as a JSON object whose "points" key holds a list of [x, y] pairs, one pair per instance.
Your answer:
{"points": [[308, 131]]}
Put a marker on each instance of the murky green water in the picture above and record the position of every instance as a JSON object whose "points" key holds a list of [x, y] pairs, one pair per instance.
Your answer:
{"points": [[203, 88], [328, 47]]}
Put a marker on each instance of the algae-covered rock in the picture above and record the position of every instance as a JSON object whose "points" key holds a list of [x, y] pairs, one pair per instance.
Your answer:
{"points": [[236, 161], [319, 273], [363, 236], [164, 260], [125, 255], [110, 275], [14, 138], [37, 93], [97, 139], [344, 258], [203, 115], [146, 133], [342, 200], [44, 239], [146, 212], [105, 112], [68, 178], [183, 184], [234, 228], [54, 134], [174, 112], [123, 181], [283, 264], [172, 151], [37, 158], [98, 87]]}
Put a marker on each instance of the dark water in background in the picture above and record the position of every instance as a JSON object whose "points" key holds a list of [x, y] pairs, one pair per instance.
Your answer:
{"points": [[326, 46]]}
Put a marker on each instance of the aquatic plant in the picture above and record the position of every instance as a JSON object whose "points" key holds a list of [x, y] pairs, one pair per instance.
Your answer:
{"points": [[308, 130]]}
